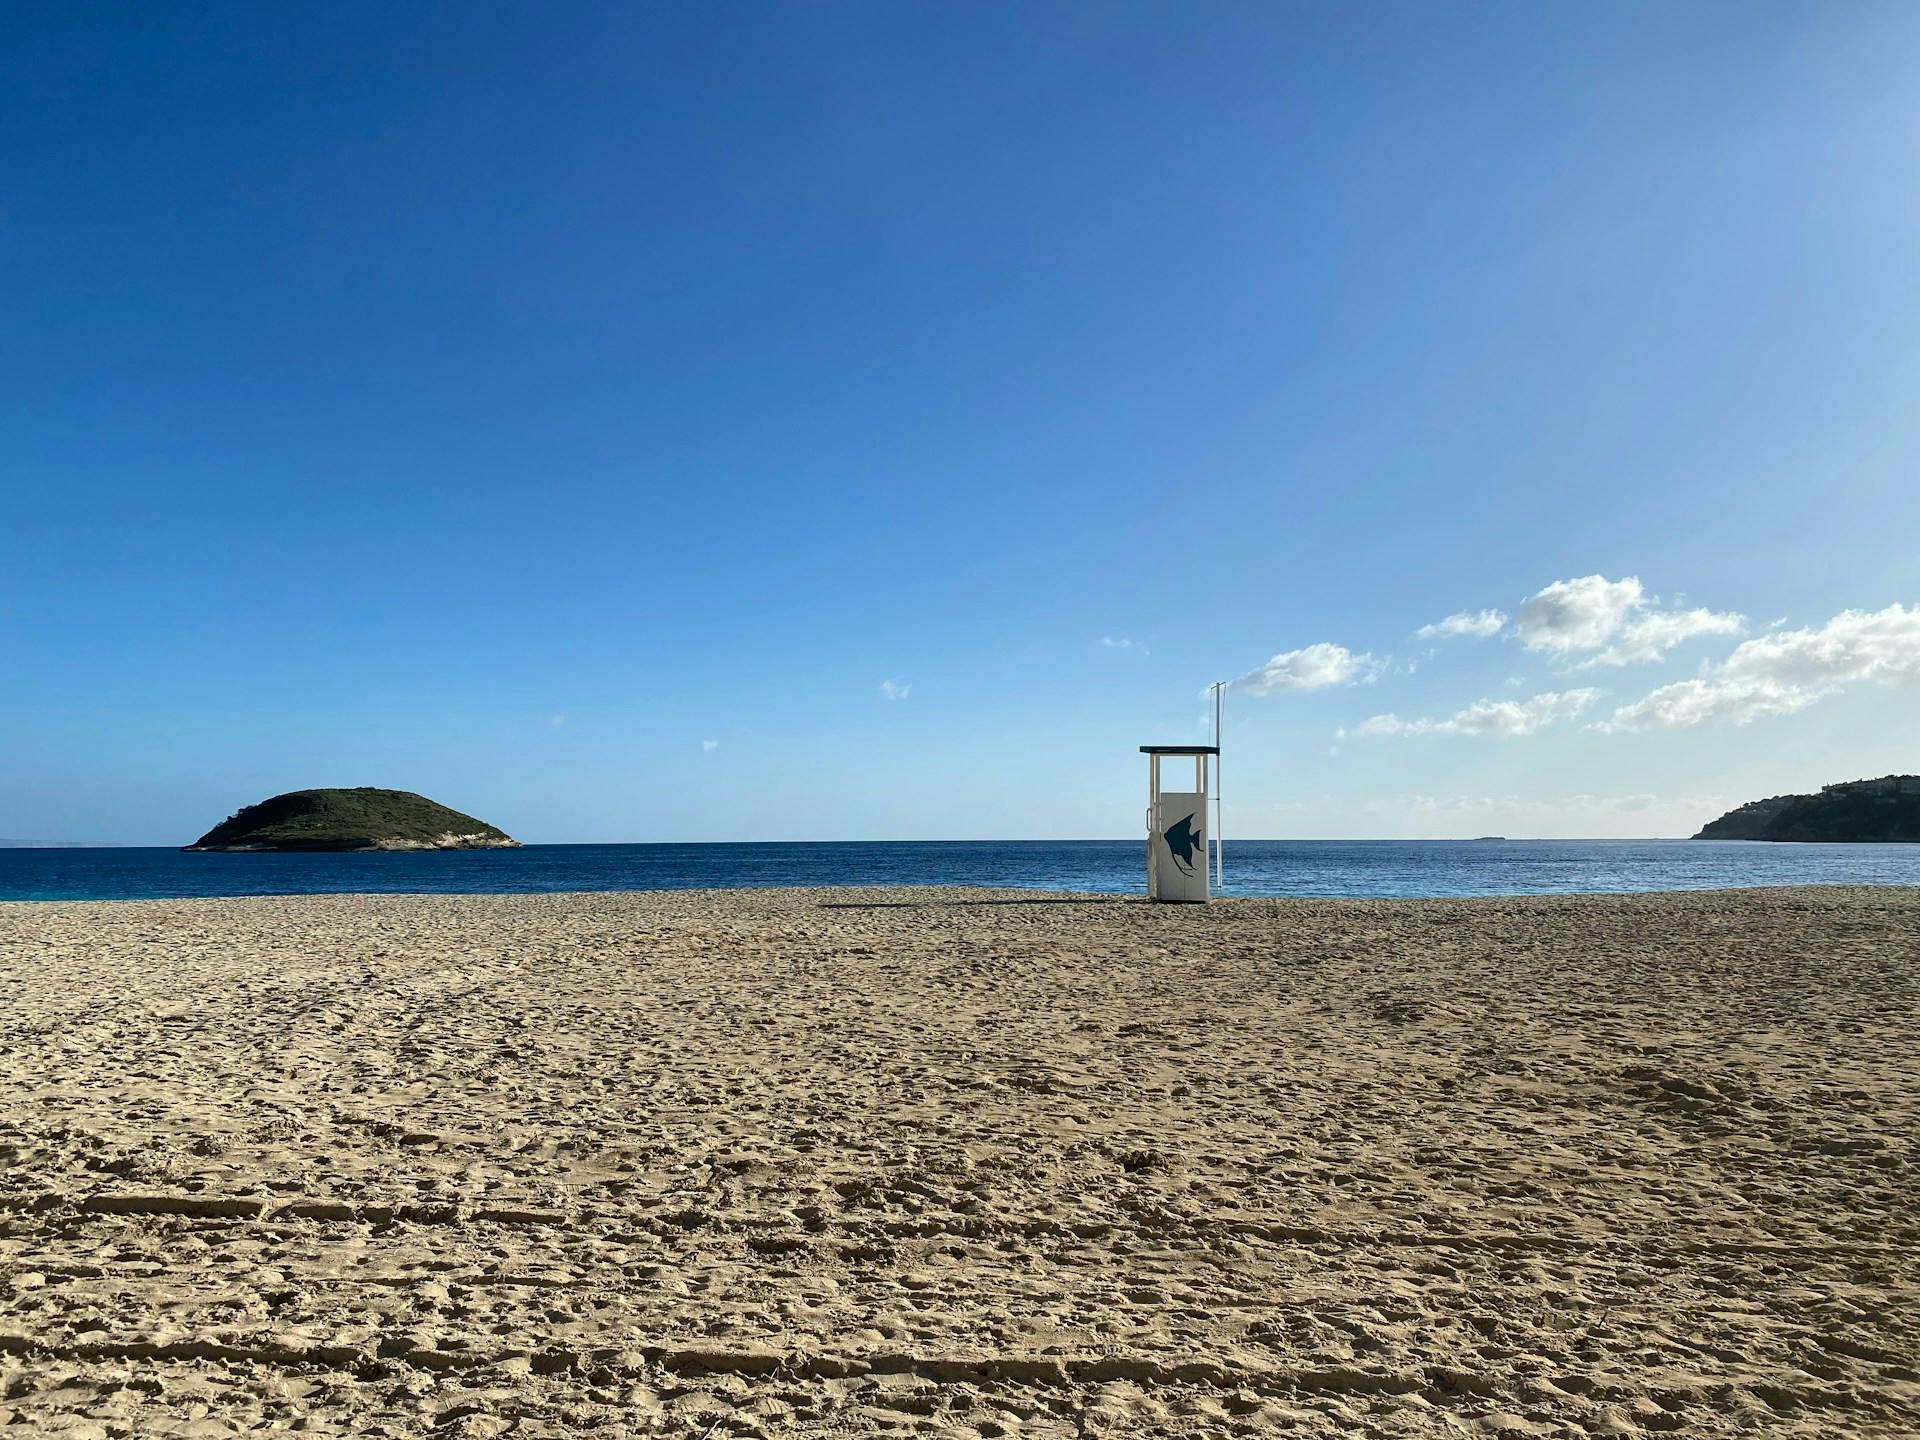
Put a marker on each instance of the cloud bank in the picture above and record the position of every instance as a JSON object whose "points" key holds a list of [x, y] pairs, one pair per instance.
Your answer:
{"points": [[1593, 621], [1787, 670]]}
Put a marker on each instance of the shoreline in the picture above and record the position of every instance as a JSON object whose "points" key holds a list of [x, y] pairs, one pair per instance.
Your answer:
{"points": [[1040, 894]]}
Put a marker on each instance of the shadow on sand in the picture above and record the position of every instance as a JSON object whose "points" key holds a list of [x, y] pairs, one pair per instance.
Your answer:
{"points": [[942, 904]]}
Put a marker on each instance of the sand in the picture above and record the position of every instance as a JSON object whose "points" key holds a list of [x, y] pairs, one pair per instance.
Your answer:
{"points": [[795, 1163]]}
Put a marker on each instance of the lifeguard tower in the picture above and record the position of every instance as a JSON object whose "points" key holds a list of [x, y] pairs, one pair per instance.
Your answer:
{"points": [[1177, 857]]}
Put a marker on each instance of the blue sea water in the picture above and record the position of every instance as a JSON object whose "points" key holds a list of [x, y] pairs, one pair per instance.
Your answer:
{"points": [[1383, 868]]}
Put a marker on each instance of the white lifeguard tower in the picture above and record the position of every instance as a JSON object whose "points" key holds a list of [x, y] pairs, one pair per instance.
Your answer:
{"points": [[1177, 855]]}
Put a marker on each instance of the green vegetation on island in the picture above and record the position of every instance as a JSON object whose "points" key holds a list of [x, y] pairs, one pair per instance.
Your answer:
{"points": [[1856, 810], [359, 819]]}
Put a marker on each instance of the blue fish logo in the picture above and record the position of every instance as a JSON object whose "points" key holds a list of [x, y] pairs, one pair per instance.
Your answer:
{"points": [[1184, 841]]}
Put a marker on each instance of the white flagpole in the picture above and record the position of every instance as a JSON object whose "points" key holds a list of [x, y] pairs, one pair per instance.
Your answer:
{"points": [[1219, 800]]}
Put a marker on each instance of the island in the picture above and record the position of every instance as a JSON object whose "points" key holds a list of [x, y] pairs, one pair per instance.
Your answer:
{"points": [[1854, 810], [357, 819]]}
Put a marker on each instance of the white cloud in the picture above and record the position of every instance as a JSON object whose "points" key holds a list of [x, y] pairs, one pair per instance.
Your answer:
{"points": [[1490, 717], [1315, 667], [1615, 619], [1650, 637], [1854, 645], [1109, 642], [1689, 702], [556, 719], [1573, 615], [895, 690], [709, 744], [1787, 670], [1477, 625]]}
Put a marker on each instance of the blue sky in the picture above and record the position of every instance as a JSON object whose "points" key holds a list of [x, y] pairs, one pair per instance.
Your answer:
{"points": [[876, 420]]}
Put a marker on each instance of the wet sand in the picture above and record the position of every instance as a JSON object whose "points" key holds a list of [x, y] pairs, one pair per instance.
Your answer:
{"points": [[906, 1162]]}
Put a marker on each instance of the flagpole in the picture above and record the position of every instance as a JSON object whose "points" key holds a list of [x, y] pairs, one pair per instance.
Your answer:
{"points": [[1219, 800]]}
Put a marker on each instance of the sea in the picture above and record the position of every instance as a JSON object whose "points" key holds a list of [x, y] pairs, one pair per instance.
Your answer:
{"points": [[1373, 868]]}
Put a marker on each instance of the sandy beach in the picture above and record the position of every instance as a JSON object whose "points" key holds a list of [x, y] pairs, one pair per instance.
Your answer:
{"points": [[904, 1162]]}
